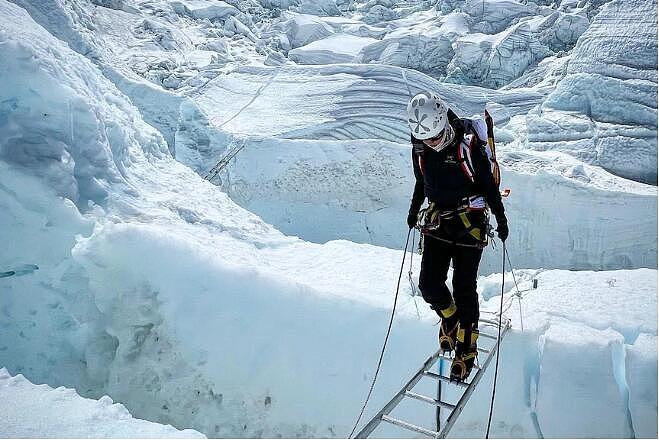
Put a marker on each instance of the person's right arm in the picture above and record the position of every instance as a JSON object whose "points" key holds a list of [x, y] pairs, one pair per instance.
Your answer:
{"points": [[418, 196]]}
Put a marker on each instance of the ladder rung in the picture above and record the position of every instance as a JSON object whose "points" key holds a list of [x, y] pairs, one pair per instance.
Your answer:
{"points": [[429, 400], [444, 379], [449, 358], [409, 426], [494, 323], [487, 335]]}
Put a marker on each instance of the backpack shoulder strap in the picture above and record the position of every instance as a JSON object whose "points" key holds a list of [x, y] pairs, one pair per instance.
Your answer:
{"points": [[464, 156]]}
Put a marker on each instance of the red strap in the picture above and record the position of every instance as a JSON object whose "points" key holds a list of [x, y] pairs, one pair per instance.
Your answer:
{"points": [[463, 160]]}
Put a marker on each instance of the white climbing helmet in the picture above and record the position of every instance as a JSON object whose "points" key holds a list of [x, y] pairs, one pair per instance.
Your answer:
{"points": [[426, 116]]}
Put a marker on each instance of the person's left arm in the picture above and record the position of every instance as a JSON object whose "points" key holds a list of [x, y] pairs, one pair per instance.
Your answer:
{"points": [[488, 187]]}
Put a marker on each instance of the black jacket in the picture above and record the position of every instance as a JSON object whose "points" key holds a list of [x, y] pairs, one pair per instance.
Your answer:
{"points": [[443, 181]]}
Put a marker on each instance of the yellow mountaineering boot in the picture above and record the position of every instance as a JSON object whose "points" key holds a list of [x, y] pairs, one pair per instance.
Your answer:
{"points": [[465, 352], [448, 328]]}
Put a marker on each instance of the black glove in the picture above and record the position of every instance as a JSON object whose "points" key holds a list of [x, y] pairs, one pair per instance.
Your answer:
{"points": [[502, 228], [411, 219]]}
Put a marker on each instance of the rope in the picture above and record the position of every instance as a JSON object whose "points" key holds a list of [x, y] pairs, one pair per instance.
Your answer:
{"points": [[496, 367], [409, 272], [518, 294], [386, 338], [413, 290]]}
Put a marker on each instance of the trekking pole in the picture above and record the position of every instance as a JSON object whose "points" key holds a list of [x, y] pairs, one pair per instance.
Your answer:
{"points": [[386, 338], [496, 365]]}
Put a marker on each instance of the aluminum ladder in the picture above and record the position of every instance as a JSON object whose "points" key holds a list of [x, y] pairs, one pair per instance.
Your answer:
{"points": [[467, 388]]}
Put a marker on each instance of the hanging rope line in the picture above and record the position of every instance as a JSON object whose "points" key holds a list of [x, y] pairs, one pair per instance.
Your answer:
{"points": [[510, 264], [413, 289], [386, 338], [496, 365], [518, 294]]}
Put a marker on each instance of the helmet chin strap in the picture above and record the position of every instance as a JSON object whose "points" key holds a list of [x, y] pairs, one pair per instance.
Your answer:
{"points": [[450, 134]]}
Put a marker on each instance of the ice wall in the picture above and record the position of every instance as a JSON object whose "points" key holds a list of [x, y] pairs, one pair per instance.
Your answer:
{"points": [[604, 111], [358, 187], [361, 192]]}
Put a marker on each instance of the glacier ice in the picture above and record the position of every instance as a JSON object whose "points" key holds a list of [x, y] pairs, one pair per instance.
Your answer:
{"points": [[204, 9], [337, 48], [605, 109], [156, 288]]}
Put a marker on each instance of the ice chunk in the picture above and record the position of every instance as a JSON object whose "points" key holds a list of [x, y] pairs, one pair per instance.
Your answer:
{"points": [[316, 7], [39, 411], [495, 60], [608, 100], [338, 48], [300, 29], [427, 50], [494, 16], [204, 9], [641, 367], [579, 356]]}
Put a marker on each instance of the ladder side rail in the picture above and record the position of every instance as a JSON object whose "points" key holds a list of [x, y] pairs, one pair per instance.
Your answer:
{"points": [[224, 161], [472, 386], [375, 421]]}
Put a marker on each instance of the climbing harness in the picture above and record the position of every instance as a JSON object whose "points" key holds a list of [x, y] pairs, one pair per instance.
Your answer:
{"points": [[430, 220], [386, 338]]}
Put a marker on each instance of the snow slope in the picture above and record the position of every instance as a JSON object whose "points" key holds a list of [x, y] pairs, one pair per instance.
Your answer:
{"points": [[156, 289], [40, 411]]}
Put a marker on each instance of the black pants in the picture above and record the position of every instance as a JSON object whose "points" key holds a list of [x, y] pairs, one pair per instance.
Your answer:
{"points": [[434, 269]]}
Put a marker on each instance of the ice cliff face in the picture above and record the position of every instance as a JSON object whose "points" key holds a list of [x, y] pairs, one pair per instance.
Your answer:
{"points": [[604, 111]]}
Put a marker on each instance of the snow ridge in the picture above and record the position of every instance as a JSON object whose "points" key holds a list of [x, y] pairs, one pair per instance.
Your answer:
{"points": [[41, 411]]}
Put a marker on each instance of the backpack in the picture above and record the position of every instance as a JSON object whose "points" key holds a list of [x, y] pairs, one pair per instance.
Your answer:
{"points": [[478, 131]]}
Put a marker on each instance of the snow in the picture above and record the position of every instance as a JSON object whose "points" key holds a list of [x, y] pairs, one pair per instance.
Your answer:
{"points": [[156, 288], [338, 48], [301, 29], [40, 411], [204, 9]]}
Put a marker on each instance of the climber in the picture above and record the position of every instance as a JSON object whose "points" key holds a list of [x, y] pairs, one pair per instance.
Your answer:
{"points": [[455, 169]]}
